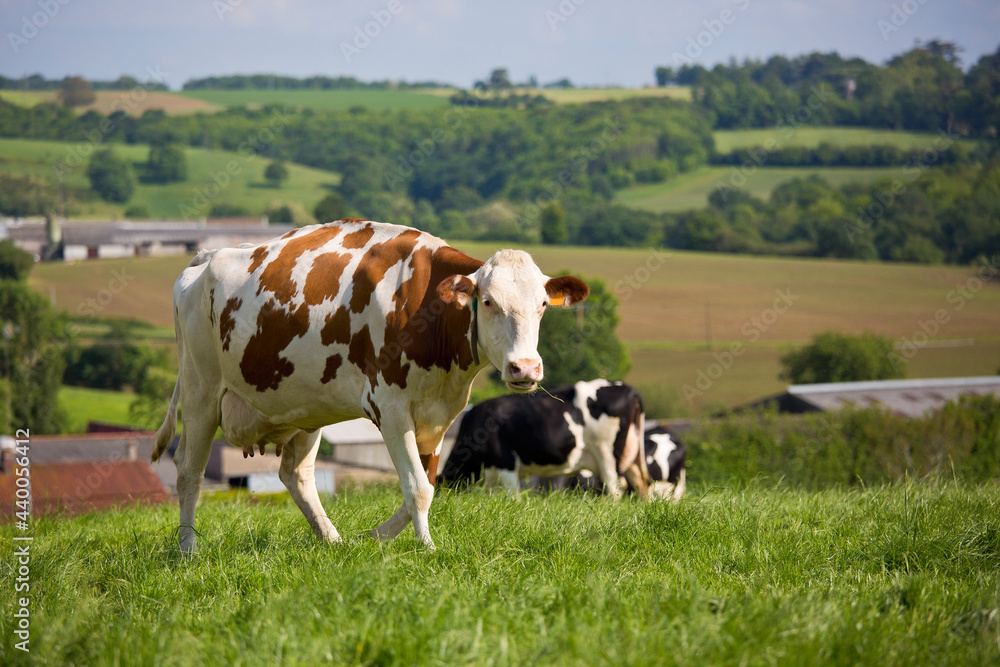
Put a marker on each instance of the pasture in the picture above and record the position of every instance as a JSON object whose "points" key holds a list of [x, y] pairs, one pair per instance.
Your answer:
{"points": [[134, 102], [327, 100], [757, 574], [242, 177], [727, 141], [691, 190], [674, 303]]}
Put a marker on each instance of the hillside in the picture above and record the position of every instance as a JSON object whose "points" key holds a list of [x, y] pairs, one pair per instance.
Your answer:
{"points": [[669, 313], [246, 186]]}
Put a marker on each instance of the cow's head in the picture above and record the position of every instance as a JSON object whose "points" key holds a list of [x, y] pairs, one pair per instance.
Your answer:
{"points": [[510, 294]]}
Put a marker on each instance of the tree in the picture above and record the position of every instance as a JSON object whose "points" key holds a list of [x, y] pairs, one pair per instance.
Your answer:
{"points": [[330, 207], [111, 177], [579, 342], [113, 363], [26, 195], [76, 92], [275, 173], [32, 361], [554, 224], [664, 75], [166, 164], [838, 357], [14, 262]]}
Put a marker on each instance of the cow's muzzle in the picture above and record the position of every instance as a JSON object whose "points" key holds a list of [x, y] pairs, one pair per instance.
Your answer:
{"points": [[523, 375]]}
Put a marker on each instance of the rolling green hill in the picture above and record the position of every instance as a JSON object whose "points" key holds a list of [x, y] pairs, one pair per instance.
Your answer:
{"points": [[691, 190], [336, 100], [246, 186]]}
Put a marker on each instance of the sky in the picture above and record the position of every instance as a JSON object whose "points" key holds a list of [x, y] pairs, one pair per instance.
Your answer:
{"points": [[591, 42]]}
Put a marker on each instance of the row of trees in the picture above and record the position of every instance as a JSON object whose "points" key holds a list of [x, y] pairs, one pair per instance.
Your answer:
{"points": [[923, 89]]}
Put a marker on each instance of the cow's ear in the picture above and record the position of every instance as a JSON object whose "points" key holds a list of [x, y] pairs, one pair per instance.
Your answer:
{"points": [[566, 290], [456, 289]]}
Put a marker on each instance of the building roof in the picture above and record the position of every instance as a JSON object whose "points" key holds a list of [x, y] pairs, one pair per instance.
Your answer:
{"points": [[72, 487], [908, 398]]}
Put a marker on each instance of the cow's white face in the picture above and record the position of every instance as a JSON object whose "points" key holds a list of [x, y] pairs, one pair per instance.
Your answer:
{"points": [[510, 295]]}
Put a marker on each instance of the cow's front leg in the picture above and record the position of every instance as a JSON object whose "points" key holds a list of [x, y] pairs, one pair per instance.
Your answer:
{"points": [[297, 473], [418, 490]]}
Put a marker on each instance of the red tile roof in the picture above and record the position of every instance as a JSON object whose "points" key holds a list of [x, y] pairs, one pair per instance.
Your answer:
{"points": [[69, 488]]}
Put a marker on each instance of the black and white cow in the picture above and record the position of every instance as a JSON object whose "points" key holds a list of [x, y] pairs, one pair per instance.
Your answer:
{"points": [[593, 426], [665, 458]]}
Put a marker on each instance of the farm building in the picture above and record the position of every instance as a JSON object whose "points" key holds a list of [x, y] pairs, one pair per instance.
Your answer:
{"points": [[907, 398], [73, 241]]}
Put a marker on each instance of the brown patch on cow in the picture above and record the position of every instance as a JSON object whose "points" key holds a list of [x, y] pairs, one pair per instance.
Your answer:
{"points": [[337, 328], [430, 464], [262, 365], [353, 220], [374, 414], [227, 322], [277, 275], [257, 258], [361, 353], [377, 261], [211, 306], [323, 281], [332, 364], [358, 239], [290, 234]]}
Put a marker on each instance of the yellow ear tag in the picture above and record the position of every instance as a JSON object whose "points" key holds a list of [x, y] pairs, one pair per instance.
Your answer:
{"points": [[557, 299]]}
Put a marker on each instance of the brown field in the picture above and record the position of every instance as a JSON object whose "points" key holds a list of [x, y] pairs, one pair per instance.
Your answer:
{"points": [[663, 310], [133, 102]]}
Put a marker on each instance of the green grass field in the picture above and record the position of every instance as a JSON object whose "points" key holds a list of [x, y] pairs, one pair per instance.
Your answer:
{"points": [[82, 405], [691, 190], [727, 141], [331, 100], [892, 575], [246, 186]]}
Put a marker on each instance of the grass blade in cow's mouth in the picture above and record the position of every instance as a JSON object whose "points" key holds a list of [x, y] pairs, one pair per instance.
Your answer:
{"points": [[522, 385]]}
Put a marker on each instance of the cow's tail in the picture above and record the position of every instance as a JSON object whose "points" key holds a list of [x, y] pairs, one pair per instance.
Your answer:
{"points": [[165, 434]]}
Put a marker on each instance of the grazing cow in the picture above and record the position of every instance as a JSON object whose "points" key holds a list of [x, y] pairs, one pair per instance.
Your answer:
{"points": [[665, 458], [593, 426], [339, 321]]}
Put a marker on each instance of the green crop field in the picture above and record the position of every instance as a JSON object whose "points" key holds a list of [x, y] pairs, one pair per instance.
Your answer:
{"points": [[727, 141], [245, 187], [335, 100], [82, 405], [691, 190], [895, 575], [674, 303]]}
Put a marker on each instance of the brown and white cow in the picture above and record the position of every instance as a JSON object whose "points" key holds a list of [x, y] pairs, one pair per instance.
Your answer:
{"points": [[344, 320]]}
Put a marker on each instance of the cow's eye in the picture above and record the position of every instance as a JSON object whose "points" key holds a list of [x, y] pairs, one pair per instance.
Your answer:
{"points": [[487, 303], [545, 304]]}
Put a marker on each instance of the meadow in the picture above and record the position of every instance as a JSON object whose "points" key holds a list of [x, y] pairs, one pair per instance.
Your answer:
{"points": [[690, 190], [134, 102], [328, 100], [246, 186], [746, 574], [673, 304], [727, 141]]}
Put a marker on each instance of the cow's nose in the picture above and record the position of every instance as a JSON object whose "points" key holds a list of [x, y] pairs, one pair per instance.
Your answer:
{"points": [[525, 369]]}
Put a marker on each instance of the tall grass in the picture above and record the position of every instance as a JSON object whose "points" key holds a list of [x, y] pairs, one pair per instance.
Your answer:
{"points": [[906, 574]]}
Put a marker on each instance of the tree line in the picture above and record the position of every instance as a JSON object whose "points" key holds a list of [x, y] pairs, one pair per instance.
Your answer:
{"points": [[923, 89]]}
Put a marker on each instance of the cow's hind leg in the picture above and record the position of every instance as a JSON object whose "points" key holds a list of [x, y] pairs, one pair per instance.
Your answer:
{"points": [[418, 490], [298, 474], [193, 450]]}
